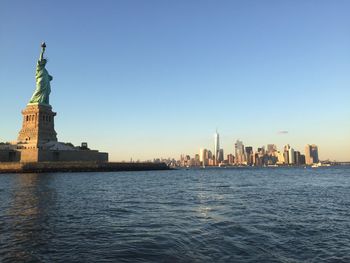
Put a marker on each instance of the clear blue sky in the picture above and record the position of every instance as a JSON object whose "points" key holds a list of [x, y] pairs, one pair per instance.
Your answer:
{"points": [[146, 79]]}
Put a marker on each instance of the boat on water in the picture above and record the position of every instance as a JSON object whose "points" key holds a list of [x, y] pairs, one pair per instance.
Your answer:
{"points": [[272, 165], [316, 165]]}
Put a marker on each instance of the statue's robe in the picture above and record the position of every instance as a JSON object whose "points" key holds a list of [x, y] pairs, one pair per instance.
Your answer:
{"points": [[43, 88]]}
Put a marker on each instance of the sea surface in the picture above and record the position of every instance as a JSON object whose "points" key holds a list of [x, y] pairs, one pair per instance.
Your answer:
{"points": [[203, 215]]}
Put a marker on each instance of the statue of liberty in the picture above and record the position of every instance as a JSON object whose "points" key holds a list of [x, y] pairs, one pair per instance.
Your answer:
{"points": [[43, 88]]}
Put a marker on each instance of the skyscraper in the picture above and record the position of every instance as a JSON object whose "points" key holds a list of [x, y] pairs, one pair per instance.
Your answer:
{"points": [[286, 154], [314, 153], [271, 149], [311, 154], [216, 146], [291, 156], [280, 157], [221, 156], [230, 159], [250, 155], [239, 152], [297, 158], [203, 156]]}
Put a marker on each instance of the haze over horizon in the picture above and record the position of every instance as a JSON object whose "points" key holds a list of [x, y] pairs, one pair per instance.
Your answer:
{"points": [[148, 79]]}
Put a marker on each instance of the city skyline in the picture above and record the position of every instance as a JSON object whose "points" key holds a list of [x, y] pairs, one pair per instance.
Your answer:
{"points": [[149, 79], [245, 154]]}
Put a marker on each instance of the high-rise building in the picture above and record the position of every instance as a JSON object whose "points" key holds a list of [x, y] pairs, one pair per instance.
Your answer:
{"points": [[239, 152], [249, 150], [286, 153], [230, 159], [286, 157], [308, 159], [250, 155], [311, 154], [314, 153], [211, 162], [291, 156], [203, 156], [196, 157], [280, 157], [261, 150], [221, 156], [271, 149], [216, 146], [210, 155], [297, 158], [258, 159]]}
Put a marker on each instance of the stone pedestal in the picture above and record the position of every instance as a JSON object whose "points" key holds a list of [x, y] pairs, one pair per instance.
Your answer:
{"points": [[38, 126]]}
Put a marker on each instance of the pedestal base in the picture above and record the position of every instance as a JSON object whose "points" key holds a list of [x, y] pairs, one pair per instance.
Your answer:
{"points": [[38, 126]]}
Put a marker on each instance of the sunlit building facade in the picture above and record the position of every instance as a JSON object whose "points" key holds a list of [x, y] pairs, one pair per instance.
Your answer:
{"points": [[216, 147], [311, 154], [239, 152]]}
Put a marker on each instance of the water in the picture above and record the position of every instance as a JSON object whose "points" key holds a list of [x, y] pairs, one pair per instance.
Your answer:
{"points": [[211, 215]]}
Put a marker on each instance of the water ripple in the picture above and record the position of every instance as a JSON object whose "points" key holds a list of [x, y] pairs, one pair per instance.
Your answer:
{"points": [[211, 215]]}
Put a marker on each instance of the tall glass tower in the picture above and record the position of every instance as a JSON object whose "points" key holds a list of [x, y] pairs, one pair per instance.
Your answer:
{"points": [[216, 146]]}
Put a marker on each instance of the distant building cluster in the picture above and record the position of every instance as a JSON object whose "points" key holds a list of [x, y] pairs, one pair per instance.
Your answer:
{"points": [[247, 156]]}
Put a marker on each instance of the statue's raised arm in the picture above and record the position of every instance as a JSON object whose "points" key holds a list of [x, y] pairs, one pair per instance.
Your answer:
{"points": [[43, 88], [43, 46]]}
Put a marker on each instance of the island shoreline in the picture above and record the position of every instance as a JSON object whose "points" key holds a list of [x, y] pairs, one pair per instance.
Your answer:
{"points": [[74, 167]]}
